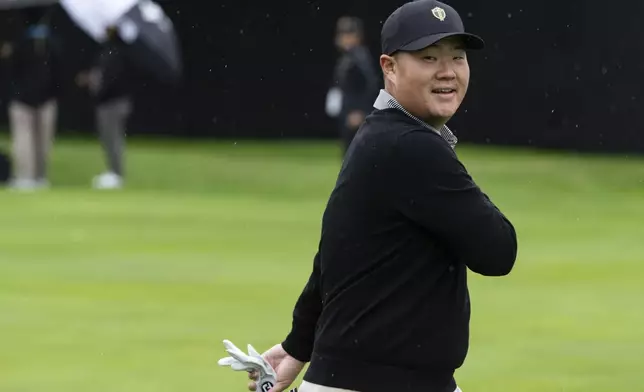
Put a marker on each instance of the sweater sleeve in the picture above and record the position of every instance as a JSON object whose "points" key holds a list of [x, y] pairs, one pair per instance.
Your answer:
{"points": [[299, 342], [436, 191]]}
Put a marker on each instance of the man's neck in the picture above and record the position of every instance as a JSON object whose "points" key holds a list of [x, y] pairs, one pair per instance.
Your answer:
{"points": [[386, 100], [435, 122]]}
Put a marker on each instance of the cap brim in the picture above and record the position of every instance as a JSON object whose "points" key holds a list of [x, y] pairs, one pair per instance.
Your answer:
{"points": [[471, 41]]}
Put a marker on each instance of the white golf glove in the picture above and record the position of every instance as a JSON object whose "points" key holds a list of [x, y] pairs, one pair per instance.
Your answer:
{"points": [[253, 361]]}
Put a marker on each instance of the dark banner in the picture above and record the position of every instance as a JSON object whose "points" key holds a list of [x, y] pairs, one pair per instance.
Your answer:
{"points": [[569, 75]]}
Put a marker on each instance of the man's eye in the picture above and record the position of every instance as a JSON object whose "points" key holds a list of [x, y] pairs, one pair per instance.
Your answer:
{"points": [[459, 58], [430, 58]]}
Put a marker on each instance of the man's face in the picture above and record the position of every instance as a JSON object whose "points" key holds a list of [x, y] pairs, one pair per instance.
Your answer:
{"points": [[431, 83], [346, 41]]}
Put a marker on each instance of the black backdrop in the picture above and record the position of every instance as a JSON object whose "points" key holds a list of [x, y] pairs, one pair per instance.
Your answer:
{"points": [[566, 75]]}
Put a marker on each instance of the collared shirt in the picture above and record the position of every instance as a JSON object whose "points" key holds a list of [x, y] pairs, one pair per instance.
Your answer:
{"points": [[386, 100]]}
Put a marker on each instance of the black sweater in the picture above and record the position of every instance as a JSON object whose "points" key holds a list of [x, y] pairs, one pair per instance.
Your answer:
{"points": [[386, 307], [34, 68]]}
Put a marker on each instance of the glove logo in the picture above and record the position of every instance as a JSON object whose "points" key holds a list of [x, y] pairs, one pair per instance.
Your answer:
{"points": [[267, 386]]}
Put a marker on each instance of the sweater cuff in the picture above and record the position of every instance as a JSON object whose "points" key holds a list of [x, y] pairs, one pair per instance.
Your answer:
{"points": [[299, 345]]}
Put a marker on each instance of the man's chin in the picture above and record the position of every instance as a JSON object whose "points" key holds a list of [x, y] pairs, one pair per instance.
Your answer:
{"points": [[443, 114]]}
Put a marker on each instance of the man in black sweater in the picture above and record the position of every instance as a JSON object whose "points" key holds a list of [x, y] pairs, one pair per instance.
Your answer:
{"points": [[34, 65], [387, 307]]}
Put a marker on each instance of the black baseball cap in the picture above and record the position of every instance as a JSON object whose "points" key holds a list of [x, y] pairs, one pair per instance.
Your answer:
{"points": [[421, 23]]}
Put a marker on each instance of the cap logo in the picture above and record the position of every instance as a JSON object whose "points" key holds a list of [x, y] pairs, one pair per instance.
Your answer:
{"points": [[439, 13]]}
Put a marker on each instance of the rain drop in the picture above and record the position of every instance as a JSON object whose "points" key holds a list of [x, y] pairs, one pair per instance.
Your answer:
{"points": [[604, 70], [509, 15]]}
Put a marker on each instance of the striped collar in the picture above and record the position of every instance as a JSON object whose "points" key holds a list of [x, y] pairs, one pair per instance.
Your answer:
{"points": [[387, 101]]}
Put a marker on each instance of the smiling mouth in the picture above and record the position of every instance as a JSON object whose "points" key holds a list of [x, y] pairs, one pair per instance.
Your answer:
{"points": [[443, 90]]}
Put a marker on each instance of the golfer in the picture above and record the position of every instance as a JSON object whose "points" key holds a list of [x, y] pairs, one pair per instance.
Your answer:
{"points": [[386, 307], [109, 82]]}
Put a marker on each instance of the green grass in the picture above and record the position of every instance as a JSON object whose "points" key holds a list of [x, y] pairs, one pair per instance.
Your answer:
{"points": [[134, 290]]}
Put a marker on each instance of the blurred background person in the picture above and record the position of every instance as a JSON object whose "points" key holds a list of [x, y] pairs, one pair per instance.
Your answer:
{"points": [[135, 37], [355, 83], [33, 66], [108, 82]]}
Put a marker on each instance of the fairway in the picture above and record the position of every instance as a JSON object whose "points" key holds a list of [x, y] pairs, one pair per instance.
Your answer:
{"points": [[133, 291]]}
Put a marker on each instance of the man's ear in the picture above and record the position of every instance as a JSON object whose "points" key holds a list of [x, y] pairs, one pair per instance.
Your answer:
{"points": [[388, 66]]}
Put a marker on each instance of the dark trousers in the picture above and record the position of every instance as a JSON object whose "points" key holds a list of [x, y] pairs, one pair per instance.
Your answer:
{"points": [[111, 121]]}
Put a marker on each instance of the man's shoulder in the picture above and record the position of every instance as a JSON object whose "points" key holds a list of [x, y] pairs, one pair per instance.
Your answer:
{"points": [[422, 136], [391, 118], [405, 128], [425, 150]]}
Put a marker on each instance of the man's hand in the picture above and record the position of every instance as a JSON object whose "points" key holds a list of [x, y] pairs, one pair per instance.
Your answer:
{"points": [[91, 79], [354, 119], [275, 367], [286, 368], [6, 50], [82, 79]]}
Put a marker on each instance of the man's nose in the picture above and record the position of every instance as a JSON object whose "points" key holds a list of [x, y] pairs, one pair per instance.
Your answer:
{"points": [[445, 70]]}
